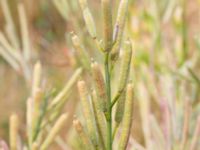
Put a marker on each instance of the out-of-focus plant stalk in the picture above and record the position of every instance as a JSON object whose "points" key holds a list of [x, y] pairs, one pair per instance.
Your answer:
{"points": [[61, 95], [24, 32], [185, 131], [35, 146], [9, 59], [89, 21], [54, 131], [63, 8], [29, 117], [196, 135], [10, 27], [144, 111], [157, 133], [184, 31], [14, 127], [11, 43], [9, 49], [37, 100], [37, 73]]}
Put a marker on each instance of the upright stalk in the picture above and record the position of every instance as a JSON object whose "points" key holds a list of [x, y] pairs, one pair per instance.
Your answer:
{"points": [[109, 113], [184, 32]]}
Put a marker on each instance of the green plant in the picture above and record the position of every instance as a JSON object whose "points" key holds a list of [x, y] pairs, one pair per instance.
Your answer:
{"points": [[165, 76], [44, 117], [100, 114], [15, 49], [166, 80]]}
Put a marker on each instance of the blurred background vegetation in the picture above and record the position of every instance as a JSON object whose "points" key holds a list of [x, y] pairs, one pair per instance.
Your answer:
{"points": [[166, 55]]}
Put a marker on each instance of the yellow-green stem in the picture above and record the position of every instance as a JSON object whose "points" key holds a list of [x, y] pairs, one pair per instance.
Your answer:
{"points": [[109, 113]]}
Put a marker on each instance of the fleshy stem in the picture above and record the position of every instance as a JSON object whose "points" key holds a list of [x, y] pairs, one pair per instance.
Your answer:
{"points": [[109, 114]]}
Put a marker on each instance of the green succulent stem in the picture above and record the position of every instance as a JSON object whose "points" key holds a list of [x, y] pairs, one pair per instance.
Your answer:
{"points": [[109, 113]]}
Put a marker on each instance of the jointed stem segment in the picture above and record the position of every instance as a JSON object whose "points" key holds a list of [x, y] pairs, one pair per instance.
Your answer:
{"points": [[109, 113]]}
